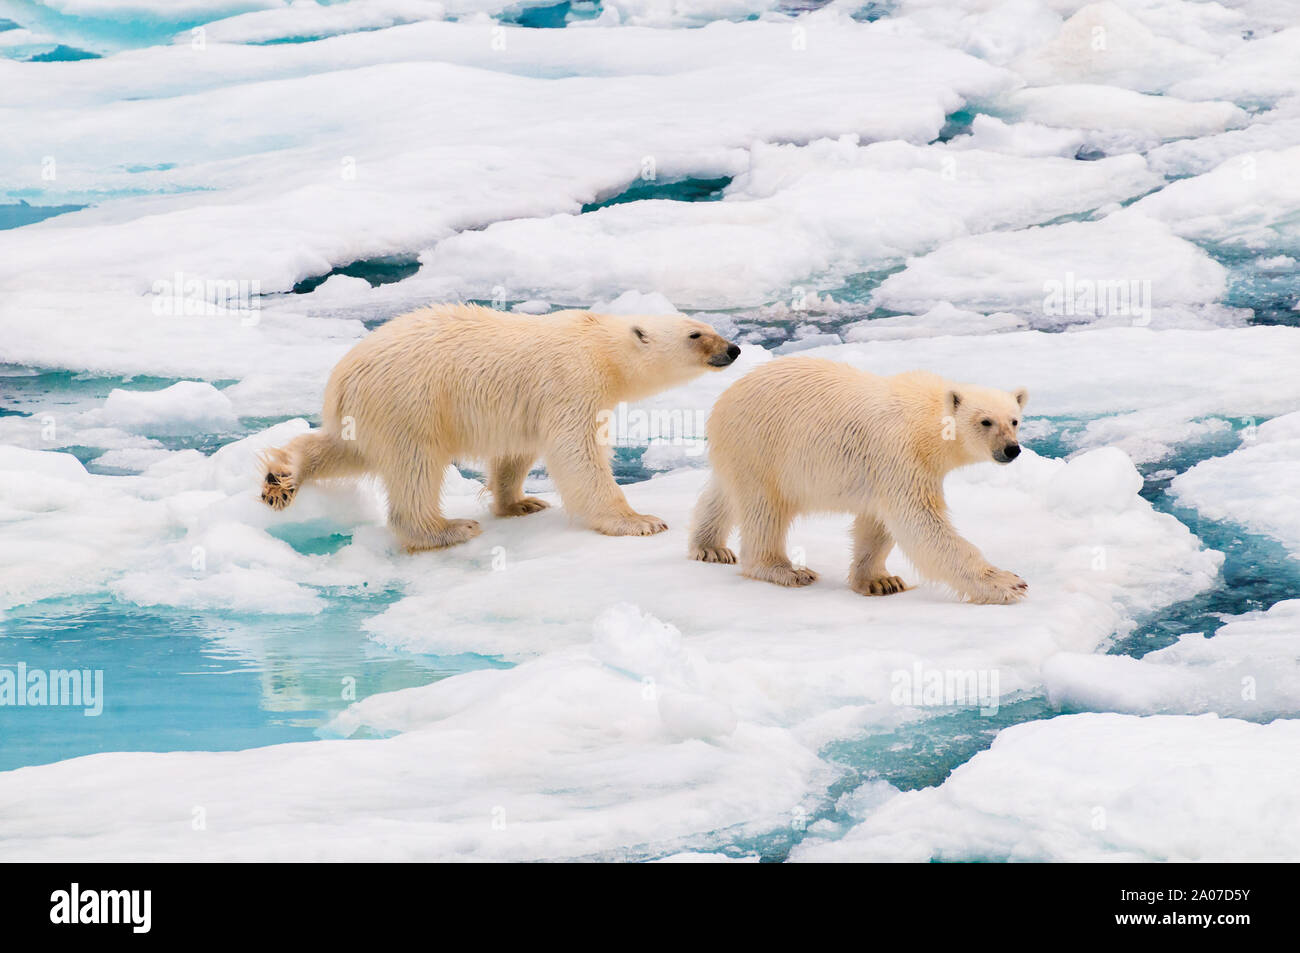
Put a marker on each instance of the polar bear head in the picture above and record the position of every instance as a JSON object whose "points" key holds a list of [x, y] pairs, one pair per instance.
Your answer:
{"points": [[666, 350], [987, 422]]}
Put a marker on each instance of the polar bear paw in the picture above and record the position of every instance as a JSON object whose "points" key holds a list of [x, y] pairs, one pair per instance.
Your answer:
{"points": [[529, 504], [631, 524], [783, 574], [713, 554], [999, 587], [878, 585], [279, 488]]}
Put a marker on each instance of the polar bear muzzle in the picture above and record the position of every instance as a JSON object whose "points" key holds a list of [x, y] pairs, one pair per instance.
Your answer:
{"points": [[726, 357]]}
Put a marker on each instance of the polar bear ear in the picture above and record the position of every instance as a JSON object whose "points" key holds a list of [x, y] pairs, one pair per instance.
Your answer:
{"points": [[640, 335], [1021, 395], [954, 400]]}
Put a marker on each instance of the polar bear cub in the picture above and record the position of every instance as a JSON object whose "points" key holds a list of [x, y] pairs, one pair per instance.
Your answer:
{"points": [[802, 435], [461, 382]]}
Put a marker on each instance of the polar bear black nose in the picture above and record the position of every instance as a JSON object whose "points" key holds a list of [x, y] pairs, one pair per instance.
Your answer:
{"points": [[733, 351], [1012, 451]]}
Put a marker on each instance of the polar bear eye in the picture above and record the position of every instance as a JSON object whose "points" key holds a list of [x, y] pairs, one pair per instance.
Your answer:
{"points": [[1015, 423], [694, 335], [986, 423]]}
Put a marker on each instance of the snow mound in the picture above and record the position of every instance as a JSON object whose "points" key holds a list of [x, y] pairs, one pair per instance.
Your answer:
{"points": [[182, 408]]}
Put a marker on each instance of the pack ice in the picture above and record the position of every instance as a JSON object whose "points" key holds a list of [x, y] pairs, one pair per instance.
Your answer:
{"points": [[979, 189]]}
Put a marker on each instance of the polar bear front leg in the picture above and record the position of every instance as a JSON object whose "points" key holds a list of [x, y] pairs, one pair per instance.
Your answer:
{"points": [[871, 545], [506, 479], [415, 505], [582, 475], [935, 548], [763, 527]]}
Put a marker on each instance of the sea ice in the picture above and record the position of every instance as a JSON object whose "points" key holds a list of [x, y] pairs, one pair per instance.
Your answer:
{"points": [[1099, 787], [1255, 486]]}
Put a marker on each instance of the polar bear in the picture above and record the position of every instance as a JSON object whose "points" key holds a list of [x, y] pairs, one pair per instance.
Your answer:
{"points": [[461, 382], [802, 435]]}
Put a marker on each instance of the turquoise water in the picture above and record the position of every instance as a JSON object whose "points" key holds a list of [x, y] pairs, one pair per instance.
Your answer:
{"points": [[102, 34], [1270, 291], [177, 680], [377, 271], [63, 54], [556, 16], [674, 190], [19, 214]]}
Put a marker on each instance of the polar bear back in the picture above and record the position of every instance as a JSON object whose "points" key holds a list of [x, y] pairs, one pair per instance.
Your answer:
{"points": [[823, 435]]}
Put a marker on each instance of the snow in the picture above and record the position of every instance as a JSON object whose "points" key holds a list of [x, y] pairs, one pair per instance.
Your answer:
{"points": [[1251, 200], [991, 134], [184, 407], [1257, 72], [308, 19], [1275, 129], [828, 209], [1254, 486], [1248, 669], [390, 180], [1099, 787], [512, 156], [942, 319], [1102, 43], [1125, 268], [1117, 119]]}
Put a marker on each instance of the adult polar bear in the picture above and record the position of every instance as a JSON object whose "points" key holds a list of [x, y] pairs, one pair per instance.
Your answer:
{"points": [[460, 382], [801, 435]]}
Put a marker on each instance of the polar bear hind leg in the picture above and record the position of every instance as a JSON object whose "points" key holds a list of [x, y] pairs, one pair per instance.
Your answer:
{"points": [[763, 529], [506, 481], [318, 455], [415, 504], [711, 525]]}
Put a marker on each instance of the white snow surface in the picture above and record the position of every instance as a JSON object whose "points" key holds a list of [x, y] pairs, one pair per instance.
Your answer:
{"points": [[1099, 787], [1248, 668], [1255, 485]]}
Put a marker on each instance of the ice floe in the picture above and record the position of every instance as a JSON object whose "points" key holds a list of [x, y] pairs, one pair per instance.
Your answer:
{"points": [[1255, 486], [1099, 787]]}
